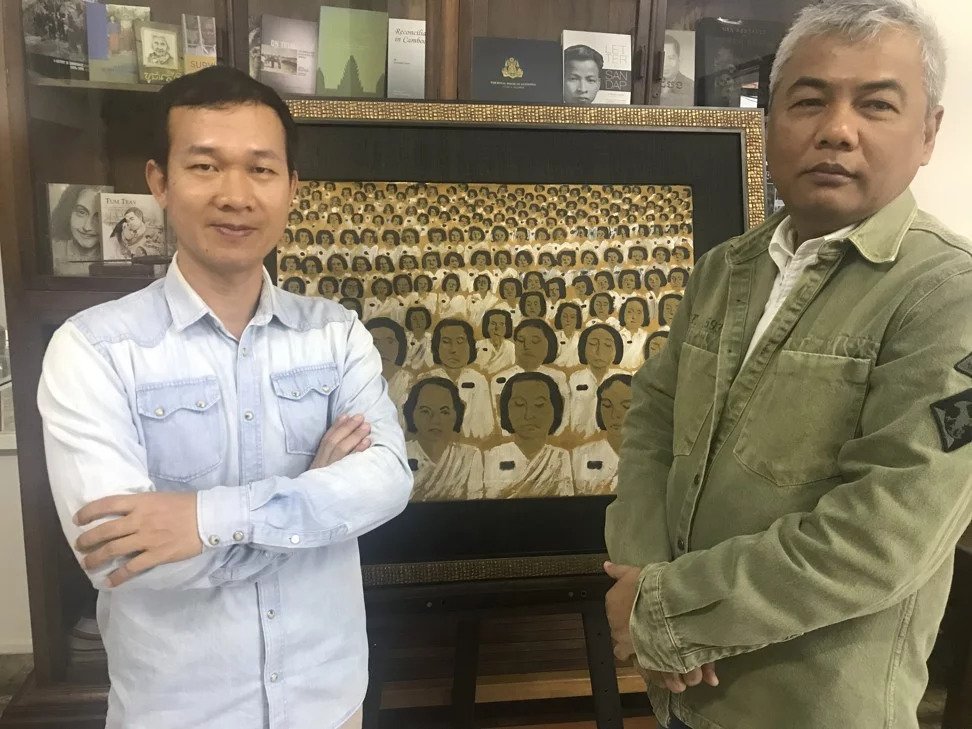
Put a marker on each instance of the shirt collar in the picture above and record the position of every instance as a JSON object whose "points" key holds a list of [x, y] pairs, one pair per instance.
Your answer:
{"points": [[783, 248], [878, 238], [187, 307]]}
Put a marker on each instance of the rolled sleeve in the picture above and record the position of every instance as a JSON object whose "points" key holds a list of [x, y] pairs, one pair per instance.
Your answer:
{"points": [[655, 643]]}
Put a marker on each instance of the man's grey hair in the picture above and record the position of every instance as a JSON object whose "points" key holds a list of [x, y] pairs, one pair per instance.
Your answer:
{"points": [[862, 20]]}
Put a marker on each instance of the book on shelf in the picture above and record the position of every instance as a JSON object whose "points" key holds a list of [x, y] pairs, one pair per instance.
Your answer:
{"points": [[678, 72], [596, 67], [111, 41], [55, 38], [288, 54], [516, 71], [198, 42], [352, 50], [132, 227], [157, 49], [406, 59], [74, 227]]}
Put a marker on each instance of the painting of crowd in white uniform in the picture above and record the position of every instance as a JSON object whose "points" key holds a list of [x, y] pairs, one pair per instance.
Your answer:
{"points": [[509, 318]]}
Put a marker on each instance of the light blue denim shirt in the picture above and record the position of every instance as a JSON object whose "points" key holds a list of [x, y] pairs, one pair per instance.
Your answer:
{"points": [[266, 627]]}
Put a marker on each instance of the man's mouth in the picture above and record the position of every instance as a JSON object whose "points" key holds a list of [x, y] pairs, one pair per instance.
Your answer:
{"points": [[233, 230]]}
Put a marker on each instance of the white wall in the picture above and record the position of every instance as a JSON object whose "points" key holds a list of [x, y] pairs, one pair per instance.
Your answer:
{"points": [[942, 188]]}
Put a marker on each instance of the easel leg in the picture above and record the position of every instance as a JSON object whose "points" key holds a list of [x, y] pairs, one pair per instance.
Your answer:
{"points": [[600, 661], [465, 673], [376, 677]]}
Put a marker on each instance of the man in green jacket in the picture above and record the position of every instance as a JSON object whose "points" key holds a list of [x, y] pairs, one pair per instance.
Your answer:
{"points": [[796, 467]]}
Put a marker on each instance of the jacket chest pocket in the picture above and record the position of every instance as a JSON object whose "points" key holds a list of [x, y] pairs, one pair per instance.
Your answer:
{"points": [[303, 394], [694, 391], [183, 428], [801, 416]]}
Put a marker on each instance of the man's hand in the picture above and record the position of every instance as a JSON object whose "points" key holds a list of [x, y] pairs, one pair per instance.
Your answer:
{"points": [[619, 603], [155, 527], [349, 434]]}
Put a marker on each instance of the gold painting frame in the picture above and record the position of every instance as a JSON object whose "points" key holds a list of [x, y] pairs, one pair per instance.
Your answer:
{"points": [[747, 124]]}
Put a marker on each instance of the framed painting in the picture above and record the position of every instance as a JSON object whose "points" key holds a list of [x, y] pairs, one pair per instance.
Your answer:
{"points": [[515, 266]]}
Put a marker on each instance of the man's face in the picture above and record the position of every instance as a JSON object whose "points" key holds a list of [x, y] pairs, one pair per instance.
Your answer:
{"points": [[530, 348], [582, 81], [453, 347], [670, 69], [849, 126], [227, 191]]}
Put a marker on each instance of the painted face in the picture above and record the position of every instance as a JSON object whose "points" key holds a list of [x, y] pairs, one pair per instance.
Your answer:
{"points": [[602, 307], [677, 279], [422, 286], [533, 307], [451, 286], [496, 326], [533, 282], [435, 413], [670, 308], [482, 285], [656, 346], [601, 349], [530, 347], [601, 284], [312, 269], [509, 290], [530, 409], [453, 347], [386, 343], [417, 322], [568, 319], [327, 288], [614, 406], [634, 314], [654, 281]]}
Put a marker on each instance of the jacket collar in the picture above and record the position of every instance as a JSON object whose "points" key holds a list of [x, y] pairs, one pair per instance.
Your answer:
{"points": [[878, 238]]}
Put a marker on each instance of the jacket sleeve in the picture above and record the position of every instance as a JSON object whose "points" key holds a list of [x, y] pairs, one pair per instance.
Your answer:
{"points": [[905, 500], [636, 527], [325, 505], [93, 451]]}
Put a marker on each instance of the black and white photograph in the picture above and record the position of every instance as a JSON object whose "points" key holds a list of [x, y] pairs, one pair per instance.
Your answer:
{"points": [[56, 37], [678, 71], [75, 227]]}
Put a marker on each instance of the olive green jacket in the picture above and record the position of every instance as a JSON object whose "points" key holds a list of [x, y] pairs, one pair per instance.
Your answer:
{"points": [[796, 517]]}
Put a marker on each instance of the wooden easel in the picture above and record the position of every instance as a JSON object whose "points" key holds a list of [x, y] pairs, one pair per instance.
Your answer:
{"points": [[468, 603]]}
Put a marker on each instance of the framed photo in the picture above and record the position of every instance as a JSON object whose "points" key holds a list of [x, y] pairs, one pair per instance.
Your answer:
{"points": [[733, 59], [512, 287], [157, 51]]}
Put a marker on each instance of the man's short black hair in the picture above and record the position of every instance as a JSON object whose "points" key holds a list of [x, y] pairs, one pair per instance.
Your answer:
{"points": [[583, 53], [218, 87]]}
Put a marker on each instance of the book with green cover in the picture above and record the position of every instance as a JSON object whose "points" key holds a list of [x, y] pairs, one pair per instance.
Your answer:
{"points": [[352, 51], [111, 41]]}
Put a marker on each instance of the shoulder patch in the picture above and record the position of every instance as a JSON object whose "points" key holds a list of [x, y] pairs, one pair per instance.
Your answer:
{"points": [[953, 418], [965, 366]]}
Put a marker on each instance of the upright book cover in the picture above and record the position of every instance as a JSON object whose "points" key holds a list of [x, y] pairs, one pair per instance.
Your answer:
{"points": [[288, 54], [55, 38], [157, 51], [678, 72], [596, 68], [353, 48], [733, 60], [406, 59], [111, 41], [132, 226], [516, 71], [198, 42], [74, 227]]}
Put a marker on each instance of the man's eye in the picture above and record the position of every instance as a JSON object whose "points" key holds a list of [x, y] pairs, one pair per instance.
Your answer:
{"points": [[203, 167], [263, 170], [878, 105], [806, 103]]}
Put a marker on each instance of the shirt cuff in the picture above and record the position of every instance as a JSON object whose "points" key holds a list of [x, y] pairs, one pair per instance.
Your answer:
{"points": [[223, 517], [654, 641]]}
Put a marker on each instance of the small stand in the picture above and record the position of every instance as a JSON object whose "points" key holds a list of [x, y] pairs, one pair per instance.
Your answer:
{"points": [[467, 604]]}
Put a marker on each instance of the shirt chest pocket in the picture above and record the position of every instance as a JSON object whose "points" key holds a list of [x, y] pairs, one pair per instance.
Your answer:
{"points": [[183, 428], [801, 415], [303, 395], [694, 391]]}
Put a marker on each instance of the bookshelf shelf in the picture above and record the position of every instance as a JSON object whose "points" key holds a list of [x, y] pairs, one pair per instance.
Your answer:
{"points": [[91, 85]]}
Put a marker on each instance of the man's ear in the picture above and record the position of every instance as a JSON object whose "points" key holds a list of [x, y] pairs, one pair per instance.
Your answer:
{"points": [[156, 179], [933, 123], [293, 184]]}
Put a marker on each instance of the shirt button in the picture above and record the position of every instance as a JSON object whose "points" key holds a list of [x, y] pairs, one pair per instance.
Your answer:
{"points": [[248, 415], [295, 539], [295, 393], [238, 536], [273, 677], [243, 351], [200, 403], [214, 540], [698, 479], [271, 614], [159, 412], [680, 544]]}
